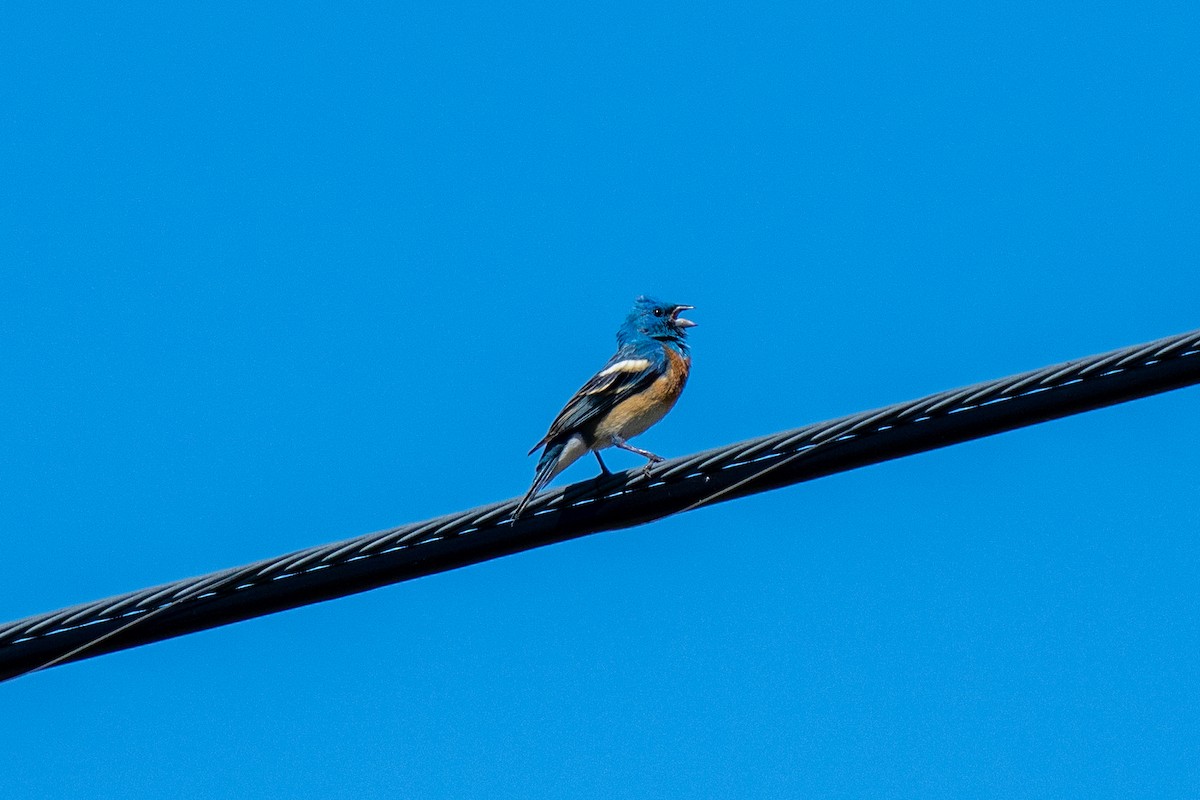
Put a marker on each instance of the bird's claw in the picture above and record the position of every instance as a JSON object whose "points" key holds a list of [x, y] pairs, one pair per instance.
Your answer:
{"points": [[649, 465]]}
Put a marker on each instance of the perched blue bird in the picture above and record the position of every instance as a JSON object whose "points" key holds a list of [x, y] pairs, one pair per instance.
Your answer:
{"points": [[634, 390]]}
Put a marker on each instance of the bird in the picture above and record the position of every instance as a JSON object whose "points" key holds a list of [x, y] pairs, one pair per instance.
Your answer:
{"points": [[631, 392]]}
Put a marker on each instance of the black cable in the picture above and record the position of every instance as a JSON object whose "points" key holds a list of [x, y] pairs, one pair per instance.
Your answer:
{"points": [[604, 503]]}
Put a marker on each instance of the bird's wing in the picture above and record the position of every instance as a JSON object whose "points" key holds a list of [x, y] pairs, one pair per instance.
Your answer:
{"points": [[628, 372]]}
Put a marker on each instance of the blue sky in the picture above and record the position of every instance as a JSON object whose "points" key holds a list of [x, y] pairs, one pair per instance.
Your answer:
{"points": [[278, 275]]}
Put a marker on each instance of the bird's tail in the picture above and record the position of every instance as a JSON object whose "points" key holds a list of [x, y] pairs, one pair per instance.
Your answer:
{"points": [[545, 471]]}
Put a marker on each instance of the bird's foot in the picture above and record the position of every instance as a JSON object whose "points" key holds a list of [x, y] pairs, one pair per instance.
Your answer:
{"points": [[649, 466]]}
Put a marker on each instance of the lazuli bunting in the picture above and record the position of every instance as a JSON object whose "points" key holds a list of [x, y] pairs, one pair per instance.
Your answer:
{"points": [[634, 390]]}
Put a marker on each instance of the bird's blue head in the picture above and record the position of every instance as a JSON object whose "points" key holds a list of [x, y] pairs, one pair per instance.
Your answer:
{"points": [[657, 320]]}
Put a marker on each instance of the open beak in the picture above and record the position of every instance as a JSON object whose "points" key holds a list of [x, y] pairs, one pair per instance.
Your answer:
{"points": [[679, 321]]}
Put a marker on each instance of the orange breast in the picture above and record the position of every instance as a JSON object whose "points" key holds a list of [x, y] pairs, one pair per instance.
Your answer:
{"points": [[638, 413]]}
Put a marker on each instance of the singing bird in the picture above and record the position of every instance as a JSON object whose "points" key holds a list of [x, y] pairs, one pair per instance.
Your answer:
{"points": [[634, 390]]}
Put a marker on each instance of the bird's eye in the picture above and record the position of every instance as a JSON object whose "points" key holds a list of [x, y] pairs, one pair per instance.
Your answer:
{"points": [[658, 312]]}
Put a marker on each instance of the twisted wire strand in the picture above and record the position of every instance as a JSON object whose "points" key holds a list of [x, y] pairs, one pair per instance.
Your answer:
{"points": [[674, 486]]}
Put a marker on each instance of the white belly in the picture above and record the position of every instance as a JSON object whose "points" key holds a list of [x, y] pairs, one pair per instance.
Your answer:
{"points": [[572, 450]]}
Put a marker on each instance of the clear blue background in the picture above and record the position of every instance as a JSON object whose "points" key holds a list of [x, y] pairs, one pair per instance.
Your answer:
{"points": [[282, 274]]}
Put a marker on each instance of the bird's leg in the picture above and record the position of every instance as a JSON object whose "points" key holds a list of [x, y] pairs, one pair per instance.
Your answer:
{"points": [[603, 467], [652, 459]]}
